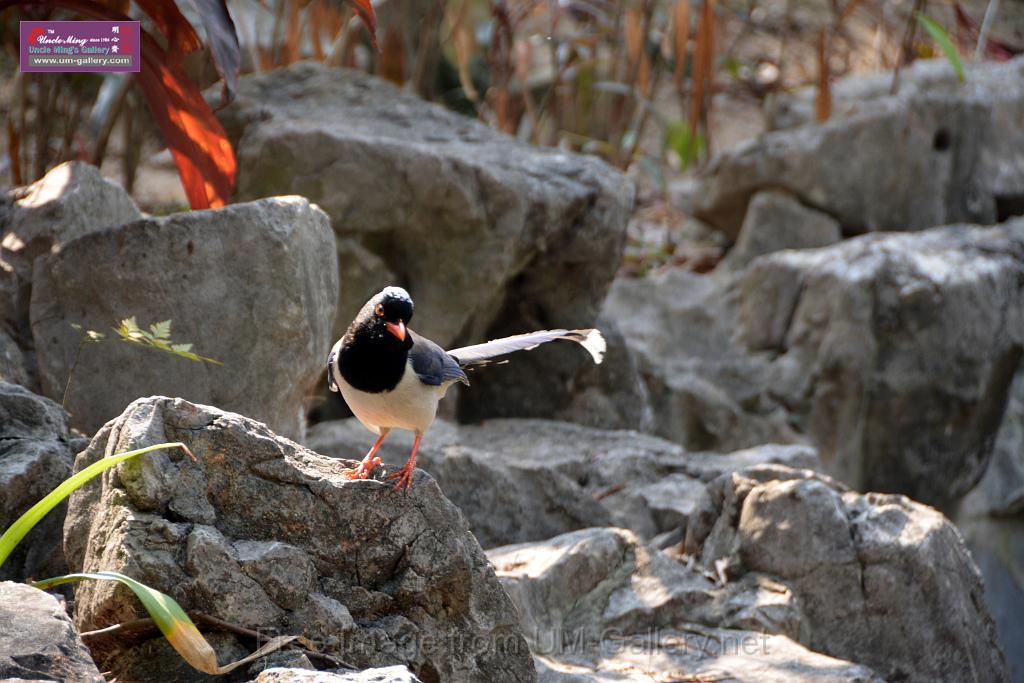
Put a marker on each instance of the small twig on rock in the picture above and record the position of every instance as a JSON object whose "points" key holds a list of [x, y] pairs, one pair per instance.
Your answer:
{"points": [[147, 624]]}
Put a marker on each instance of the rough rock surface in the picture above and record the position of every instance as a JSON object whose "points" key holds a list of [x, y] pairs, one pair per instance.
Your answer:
{"points": [[489, 235], [776, 221], [37, 639], [261, 273], [388, 674], [881, 580], [706, 390], [35, 456], [936, 155], [597, 604], [266, 534], [896, 352], [528, 480], [70, 201]]}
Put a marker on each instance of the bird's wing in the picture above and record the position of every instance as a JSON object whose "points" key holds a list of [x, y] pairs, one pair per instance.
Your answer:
{"points": [[591, 340], [431, 364]]}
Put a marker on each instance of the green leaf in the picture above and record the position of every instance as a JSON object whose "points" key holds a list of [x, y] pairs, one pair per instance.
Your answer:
{"points": [[161, 330], [21, 526], [172, 621], [181, 348], [76, 326], [130, 325], [940, 36]]}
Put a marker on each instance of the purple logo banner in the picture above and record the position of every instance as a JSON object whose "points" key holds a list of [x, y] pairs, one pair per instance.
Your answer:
{"points": [[96, 46]]}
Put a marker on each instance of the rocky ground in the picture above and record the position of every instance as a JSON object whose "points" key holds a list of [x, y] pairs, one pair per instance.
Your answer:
{"points": [[804, 465]]}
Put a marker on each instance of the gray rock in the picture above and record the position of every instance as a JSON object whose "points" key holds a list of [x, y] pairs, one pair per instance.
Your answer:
{"points": [[73, 199], [388, 674], [882, 581], [398, 579], [527, 480], [252, 285], [597, 602], [937, 155], [35, 458], [991, 518], [489, 235], [776, 221], [707, 391], [37, 639], [894, 353], [612, 395]]}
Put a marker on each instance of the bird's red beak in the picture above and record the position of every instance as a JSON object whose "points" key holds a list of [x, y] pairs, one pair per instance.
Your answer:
{"points": [[397, 329]]}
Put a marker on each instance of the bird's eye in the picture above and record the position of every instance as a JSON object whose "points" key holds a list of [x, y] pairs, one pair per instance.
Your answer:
{"points": [[379, 310]]}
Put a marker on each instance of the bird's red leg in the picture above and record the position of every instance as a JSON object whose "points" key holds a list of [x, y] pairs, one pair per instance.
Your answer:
{"points": [[404, 475], [363, 469]]}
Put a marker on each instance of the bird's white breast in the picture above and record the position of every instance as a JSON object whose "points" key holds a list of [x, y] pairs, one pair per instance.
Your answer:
{"points": [[411, 405]]}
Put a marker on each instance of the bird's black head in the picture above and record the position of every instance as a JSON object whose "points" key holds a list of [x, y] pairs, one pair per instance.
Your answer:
{"points": [[385, 316]]}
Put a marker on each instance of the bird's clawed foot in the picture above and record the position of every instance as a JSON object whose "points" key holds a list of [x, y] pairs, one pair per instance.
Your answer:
{"points": [[404, 477], [363, 469]]}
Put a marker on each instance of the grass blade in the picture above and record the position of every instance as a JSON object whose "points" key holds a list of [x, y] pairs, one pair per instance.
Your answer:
{"points": [[172, 621], [14, 533], [940, 36]]}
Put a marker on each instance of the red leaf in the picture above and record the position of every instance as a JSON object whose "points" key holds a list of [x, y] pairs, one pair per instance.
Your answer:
{"points": [[181, 36], [205, 160], [364, 8], [201, 150]]}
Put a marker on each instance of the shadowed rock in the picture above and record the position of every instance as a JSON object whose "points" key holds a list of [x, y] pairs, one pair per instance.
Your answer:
{"points": [[37, 639]]}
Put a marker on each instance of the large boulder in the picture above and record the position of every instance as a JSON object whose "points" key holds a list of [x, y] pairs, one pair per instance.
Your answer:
{"points": [[73, 199], [777, 221], [895, 353], [70, 201], [597, 602], [936, 155], [252, 285], [707, 392], [490, 236], [882, 580], [35, 457], [528, 480], [38, 641], [267, 535]]}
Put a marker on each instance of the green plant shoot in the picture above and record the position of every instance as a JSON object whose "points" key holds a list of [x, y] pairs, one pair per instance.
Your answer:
{"points": [[940, 36], [172, 621], [21, 526]]}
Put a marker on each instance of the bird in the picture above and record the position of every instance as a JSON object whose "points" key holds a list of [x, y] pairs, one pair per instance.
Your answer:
{"points": [[393, 378]]}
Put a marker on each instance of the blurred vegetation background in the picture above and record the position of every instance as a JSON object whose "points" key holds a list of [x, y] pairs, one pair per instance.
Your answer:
{"points": [[654, 87]]}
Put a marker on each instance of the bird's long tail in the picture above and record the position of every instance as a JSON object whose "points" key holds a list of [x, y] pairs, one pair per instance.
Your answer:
{"points": [[479, 354]]}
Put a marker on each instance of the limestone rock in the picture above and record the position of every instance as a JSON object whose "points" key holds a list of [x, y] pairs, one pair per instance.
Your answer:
{"points": [[396, 580], [387, 674], [937, 154], [35, 457], [894, 352], [527, 480], [490, 236], [707, 391], [776, 221], [37, 639], [252, 285], [597, 604], [73, 199], [882, 580]]}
